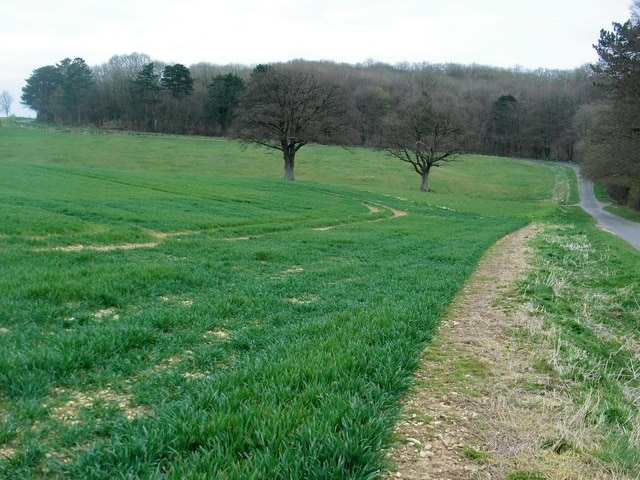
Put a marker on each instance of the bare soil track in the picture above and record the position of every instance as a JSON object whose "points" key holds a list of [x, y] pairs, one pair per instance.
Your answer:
{"points": [[480, 409]]}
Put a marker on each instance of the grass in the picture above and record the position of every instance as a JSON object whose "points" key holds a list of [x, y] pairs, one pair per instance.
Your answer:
{"points": [[586, 283], [621, 211], [526, 475], [172, 309], [472, 453], [570, 390]]}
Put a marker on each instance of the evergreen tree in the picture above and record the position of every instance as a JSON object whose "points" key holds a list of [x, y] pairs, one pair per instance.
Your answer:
{"points": [[224, 91], [76, 79], [619, 52], [38, 93], [146, 90], [177, 79], [503, 126], [611, 155], [260, 69]]}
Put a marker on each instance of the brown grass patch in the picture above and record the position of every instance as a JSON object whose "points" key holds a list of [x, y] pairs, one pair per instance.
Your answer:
{"points": [[193, 375], [163, 235], [372, 209], [307, 300], [292, 270], [397, 213], [184, 302], [98, 248], [221, 334], [70, 410], [120, 246], [169, 362], [7, 452], [106, 313]]}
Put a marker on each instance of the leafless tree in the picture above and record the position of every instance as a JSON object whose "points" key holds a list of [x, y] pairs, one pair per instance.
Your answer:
{"points": [[6, 100], [424, 134], [285, 108]]}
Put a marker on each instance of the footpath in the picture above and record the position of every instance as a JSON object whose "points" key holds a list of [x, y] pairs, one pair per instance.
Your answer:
{"points": [[480, 409]]}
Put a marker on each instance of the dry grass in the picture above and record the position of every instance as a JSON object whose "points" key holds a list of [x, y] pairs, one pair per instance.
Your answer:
{"points": [[98, 248], [292, 270], [372, 209], [67, 406], [307, 300], [221, 334], [163, 235], [489, 401], [7, 451]]}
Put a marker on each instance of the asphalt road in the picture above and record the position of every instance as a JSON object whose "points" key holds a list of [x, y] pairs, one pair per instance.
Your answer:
{"points": [[625, 229]]}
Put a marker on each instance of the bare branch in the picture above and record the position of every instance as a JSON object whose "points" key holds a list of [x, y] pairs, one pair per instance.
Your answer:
{"points": [[423, 135], [286, 108]]}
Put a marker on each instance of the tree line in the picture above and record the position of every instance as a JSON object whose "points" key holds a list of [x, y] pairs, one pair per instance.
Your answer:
{"points": [[419, 113], [506, 111], [609, 128]]}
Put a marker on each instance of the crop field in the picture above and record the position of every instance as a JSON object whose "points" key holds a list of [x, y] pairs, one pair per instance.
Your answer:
{"points": [[170, 308]]}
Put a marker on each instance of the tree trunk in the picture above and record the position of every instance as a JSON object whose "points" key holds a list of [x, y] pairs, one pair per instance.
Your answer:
{"points": [[424, 186], [289, 160]]}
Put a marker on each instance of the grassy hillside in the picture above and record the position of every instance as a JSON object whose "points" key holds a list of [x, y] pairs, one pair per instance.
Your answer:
{"points": [[172, 309]]}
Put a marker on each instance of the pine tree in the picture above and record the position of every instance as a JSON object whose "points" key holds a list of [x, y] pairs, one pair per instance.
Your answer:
{"points": [[38, 93], [223, 99], [177, 79]]}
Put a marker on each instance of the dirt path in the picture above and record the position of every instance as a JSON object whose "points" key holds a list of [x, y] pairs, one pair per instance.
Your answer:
{"points": [[483, 407]]}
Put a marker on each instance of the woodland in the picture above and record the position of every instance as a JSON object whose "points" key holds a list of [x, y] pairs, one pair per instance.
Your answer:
{"points": [[422, 114]]}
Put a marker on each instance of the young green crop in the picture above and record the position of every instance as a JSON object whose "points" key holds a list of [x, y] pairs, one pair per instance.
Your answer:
{"points": [[172, 309]]}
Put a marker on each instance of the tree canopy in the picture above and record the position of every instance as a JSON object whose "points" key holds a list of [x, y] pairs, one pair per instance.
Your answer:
{"points": [[610, 145], [224, 92], [424, 134], [135, 92], [547, 114], [59, 92], [177, 80], [38, 93], [286, 108], [75, 78], [146, 96]]}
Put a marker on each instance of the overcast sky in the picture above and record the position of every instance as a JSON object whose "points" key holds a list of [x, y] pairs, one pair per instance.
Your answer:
{"points": [[556, 34]]}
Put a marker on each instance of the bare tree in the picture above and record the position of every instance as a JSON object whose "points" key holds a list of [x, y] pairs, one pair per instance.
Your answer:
{"points": [[285, 108], [6, 100], [424, 134]]}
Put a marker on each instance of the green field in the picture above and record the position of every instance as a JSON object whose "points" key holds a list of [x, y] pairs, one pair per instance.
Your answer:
{"points": [[172, 309]]}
